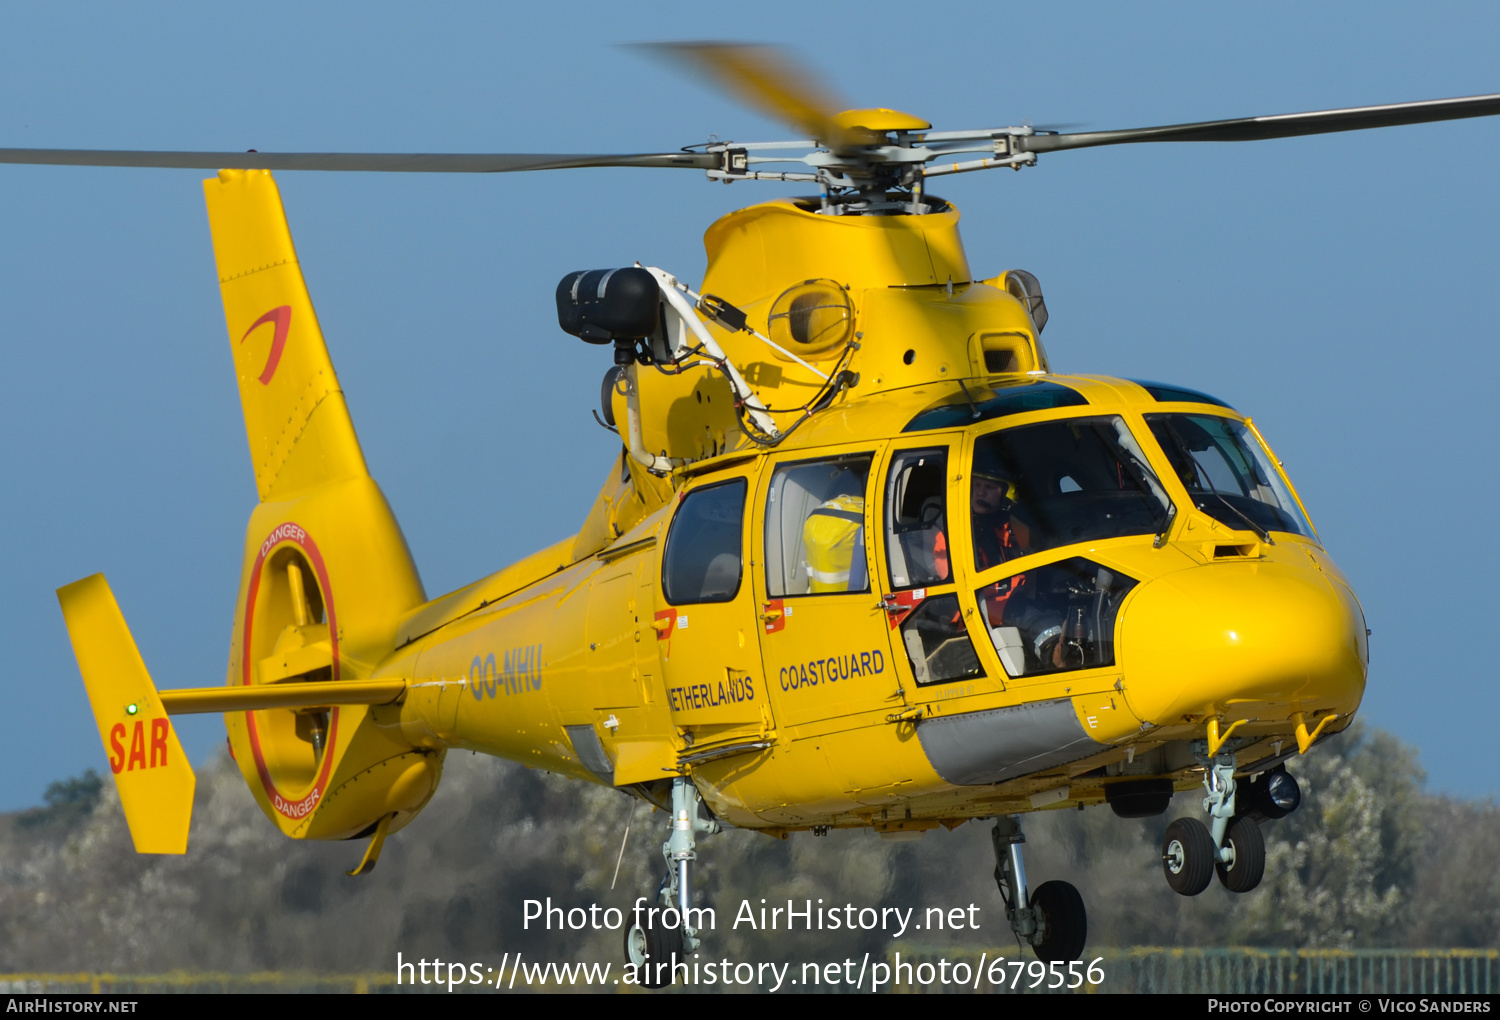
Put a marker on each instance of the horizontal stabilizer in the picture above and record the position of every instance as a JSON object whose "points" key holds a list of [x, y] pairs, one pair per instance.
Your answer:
{"points": [[191, 700], [153, 776]]}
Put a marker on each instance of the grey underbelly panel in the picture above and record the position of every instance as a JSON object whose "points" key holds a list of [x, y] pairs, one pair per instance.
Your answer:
{"points": [[981, 748]]}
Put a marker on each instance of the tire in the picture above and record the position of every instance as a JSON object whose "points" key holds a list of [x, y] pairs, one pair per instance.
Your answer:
{"points": [[1062, 923], [1249, 865], [1188, 856], [651, 944]]}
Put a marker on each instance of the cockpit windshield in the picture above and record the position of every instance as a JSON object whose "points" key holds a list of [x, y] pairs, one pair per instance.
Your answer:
{"points": [[1077, 480], [1228, 473]]}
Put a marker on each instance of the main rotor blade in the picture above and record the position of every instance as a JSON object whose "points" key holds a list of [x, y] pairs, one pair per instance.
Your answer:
{"points": [[766, 79], [380, 162], [1286, 125]]}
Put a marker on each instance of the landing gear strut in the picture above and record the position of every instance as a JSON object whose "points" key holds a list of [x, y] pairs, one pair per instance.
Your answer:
{"points": [[660, 936], [1052, 919], [1233, 847]]}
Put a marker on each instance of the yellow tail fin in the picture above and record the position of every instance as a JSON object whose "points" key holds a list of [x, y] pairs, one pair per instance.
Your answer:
{"points": [[298, 424], [327, 574], [153, 776]]}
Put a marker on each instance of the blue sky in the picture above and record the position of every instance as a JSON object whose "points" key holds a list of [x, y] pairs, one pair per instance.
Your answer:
{"points": [[1339, 289]]}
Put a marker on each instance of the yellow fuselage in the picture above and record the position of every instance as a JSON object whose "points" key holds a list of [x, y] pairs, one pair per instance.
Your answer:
{"points": [[807, 706]]}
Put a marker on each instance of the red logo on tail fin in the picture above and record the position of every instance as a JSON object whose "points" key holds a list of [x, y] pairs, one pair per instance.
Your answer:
{"points": [[282, 317]]}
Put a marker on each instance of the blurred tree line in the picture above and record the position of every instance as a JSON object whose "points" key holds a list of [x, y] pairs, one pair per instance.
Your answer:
{"points": [[1370, 860]]}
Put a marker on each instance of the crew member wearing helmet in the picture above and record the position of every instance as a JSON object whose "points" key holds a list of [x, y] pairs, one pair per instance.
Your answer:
{"points": [[999, 530], [998, 527]]}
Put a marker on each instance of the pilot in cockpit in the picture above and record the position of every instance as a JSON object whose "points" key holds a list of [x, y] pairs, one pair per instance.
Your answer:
{"points": [[998, 525]]}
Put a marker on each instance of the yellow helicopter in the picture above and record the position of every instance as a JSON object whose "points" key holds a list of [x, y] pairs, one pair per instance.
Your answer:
{"points": [[864, 559]]}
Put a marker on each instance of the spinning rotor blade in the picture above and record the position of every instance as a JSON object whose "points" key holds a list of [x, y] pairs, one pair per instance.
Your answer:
{"points": [[383, 162], [1286, 125], [765, 79]]}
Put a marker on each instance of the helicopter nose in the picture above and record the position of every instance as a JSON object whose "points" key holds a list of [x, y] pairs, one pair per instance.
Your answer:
{"points": [[1193, 642]]}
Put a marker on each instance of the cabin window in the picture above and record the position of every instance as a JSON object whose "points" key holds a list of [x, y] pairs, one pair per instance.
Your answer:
{"points": [[1055, 618], [703, 558], [815, 528], [916, 519], [937, 643]]}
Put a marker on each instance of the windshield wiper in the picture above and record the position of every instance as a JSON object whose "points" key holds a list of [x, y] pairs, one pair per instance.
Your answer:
{"points": [[1203, 476], [1265, 535]]}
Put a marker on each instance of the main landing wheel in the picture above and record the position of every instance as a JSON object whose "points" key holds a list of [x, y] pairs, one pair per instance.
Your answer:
{"points": [[1188, 856], [1247, 862], [651, 948], [1062, 925]]}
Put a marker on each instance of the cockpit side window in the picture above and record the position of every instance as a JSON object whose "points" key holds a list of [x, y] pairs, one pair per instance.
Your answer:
{"points": [[937, 642], [1054, 618], [1036, 487], [916, 519]]}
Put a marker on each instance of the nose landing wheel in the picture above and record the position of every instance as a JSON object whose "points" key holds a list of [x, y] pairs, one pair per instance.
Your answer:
{"points": [[1191, 854], [1188, 856], [1246, 851]]}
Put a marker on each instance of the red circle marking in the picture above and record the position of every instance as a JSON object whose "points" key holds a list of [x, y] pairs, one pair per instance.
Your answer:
{"points": [[298, 536]]}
